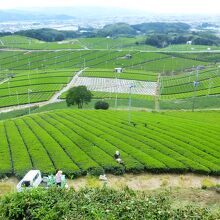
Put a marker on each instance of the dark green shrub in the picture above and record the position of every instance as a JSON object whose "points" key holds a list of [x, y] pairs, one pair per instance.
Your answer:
{"points": [[116, 170], [96, 171], [101, 105]]}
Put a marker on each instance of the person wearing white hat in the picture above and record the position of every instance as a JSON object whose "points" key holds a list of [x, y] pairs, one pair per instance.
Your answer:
{"points": [[118, 157]]}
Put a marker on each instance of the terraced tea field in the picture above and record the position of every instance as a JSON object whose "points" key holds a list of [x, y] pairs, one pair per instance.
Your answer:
{"points": [[126, 74], [45, 68], [33, 86], [82, 141], [54, 59], [182, 86]]}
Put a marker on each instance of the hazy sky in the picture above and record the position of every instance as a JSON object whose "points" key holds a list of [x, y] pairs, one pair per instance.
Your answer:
{"points": [[160, 6]]}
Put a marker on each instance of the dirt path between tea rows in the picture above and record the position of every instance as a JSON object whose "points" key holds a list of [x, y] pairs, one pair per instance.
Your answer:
{"points": [[147, 181]]}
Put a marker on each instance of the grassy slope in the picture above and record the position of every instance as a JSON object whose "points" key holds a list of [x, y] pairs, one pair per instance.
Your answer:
{"points": [[34, 44]]}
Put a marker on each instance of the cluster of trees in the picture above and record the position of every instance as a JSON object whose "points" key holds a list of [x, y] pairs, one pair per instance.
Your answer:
{"points": [[163, 40], [2, 34], [124, 29], [119, 29], [161, 27], [47, 34], [52, 35], [206, 39]]}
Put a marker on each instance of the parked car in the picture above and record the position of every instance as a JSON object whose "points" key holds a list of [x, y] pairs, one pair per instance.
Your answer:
{"points": [[31, 179]]}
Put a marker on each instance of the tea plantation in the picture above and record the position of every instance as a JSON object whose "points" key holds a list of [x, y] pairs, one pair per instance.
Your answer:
{"points": [[81, 142], [84, 141]]}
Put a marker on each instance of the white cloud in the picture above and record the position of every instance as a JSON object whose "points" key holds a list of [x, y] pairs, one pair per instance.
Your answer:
{"points": [[160, 6]]}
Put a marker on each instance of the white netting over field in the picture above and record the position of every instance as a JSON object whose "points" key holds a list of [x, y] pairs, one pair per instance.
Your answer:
{"points": [[117, 85]]}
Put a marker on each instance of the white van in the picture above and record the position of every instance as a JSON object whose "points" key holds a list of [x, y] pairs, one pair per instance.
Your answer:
{"points": [[31, 179]]}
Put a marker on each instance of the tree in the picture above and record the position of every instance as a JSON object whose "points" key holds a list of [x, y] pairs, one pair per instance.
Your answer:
{"points": [[78, 95], [101, 105]]}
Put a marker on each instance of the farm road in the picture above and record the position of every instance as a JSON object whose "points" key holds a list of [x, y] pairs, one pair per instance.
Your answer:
{"points": [[85, 48], [5, 80], [56, 96]]}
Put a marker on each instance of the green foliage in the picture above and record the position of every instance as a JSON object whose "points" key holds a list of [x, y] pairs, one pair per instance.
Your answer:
{"points": [[157, 40], [101, 105], [44, 34], [104, 203], [206, 38], [118, 29], [78, 95], [162, 27], [95, 171], [160, 39]]}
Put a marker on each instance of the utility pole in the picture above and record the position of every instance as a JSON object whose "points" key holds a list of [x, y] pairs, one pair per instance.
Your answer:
{"points": [[29, 64], [116, 100], [17, 97], [157, 93], [195, 84], [83, 65], [29, 101], [9, 90], [129, 104], [210, 85], [116, 96], [44, 64]]}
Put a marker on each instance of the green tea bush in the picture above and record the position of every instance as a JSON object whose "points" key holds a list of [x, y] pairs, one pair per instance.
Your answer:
{"points": [[96, 203], [96, 171]]}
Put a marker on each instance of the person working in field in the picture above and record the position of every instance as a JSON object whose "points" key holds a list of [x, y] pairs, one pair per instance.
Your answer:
{"points": [[58, 177], [117, 157]]}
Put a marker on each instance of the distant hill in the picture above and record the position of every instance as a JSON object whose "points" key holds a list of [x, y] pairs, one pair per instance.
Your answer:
{"points": [[40, 14], [15, 15], [90, 12]]}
